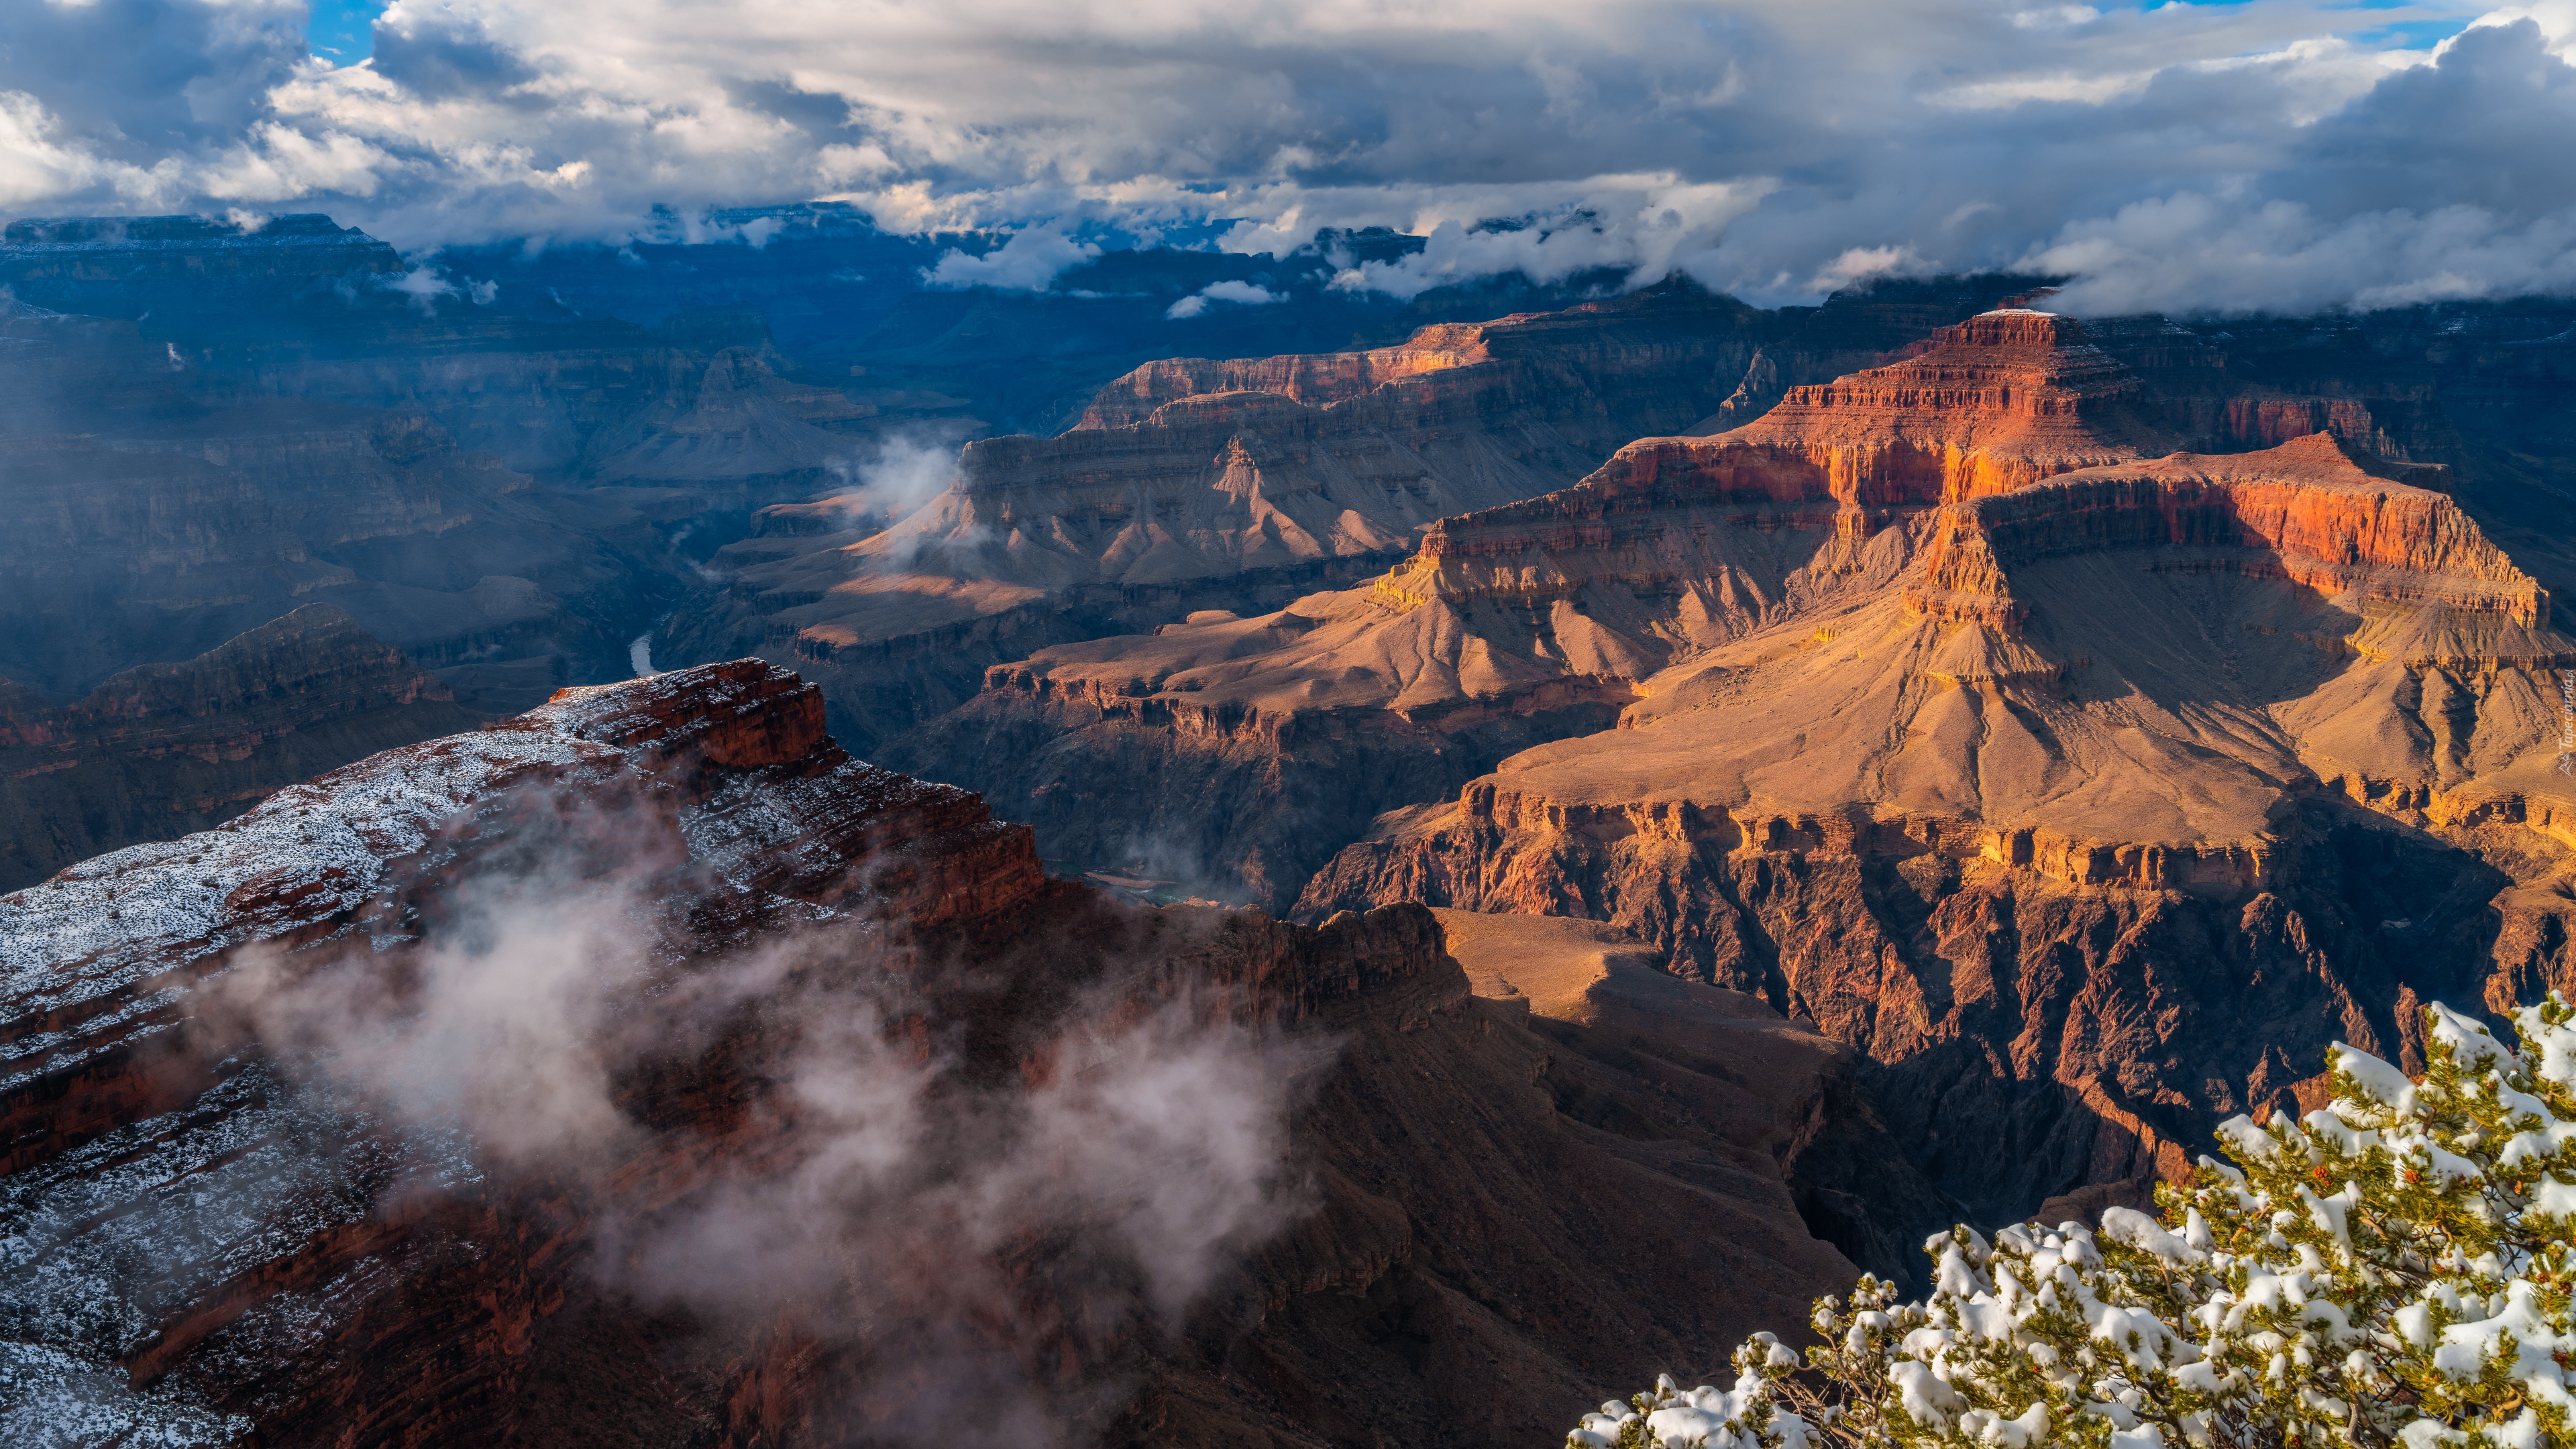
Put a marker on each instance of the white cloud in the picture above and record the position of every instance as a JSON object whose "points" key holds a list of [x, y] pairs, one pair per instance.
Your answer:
{"points": [[1766, 146], [1226, 291], [1029, 262]]}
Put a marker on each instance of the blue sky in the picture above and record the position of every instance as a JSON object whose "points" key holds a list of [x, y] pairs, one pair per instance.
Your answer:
{"points": [[340, 30]]}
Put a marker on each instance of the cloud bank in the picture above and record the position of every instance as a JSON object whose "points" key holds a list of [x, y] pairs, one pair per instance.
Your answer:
{"points": [[2277, 154]]}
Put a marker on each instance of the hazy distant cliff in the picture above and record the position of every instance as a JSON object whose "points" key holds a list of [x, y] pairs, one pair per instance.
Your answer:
{"points": [[163, 749]]}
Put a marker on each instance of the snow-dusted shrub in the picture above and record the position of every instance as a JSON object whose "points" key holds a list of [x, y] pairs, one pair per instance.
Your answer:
{"points": [[2392, 1270]]}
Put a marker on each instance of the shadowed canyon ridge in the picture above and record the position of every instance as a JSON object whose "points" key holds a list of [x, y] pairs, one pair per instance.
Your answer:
{"points": [[472, 1226], [1234, 899]]}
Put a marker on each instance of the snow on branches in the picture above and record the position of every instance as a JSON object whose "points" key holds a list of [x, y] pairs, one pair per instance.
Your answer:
{"points": [[2391, 1270]]}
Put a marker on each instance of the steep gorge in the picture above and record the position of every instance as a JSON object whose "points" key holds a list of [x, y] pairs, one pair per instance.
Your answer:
{"points": [[1258, 744], [1195, 484], [213, 1229], [2088, 792]]}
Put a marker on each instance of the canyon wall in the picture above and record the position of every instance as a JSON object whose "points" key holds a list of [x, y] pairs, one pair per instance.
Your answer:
{"points": [[1467, 1183], [2127, 793], [1273, 477], [2088, 793], [164, 749], [1512, 625]]}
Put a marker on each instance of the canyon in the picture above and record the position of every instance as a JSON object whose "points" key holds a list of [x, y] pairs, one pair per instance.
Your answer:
{"points": [[2088, 785], [1194, 485], [1636, 784], [165, 749], [239, 1201], [510, 464]]}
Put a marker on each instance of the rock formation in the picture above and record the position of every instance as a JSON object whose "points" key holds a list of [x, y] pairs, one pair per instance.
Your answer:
{"points": [[1196, 483], [2118, 798], [2088, 792], [1859, 327], [163, 749], [1516, 624], [212, 1229], [2079, 729]]}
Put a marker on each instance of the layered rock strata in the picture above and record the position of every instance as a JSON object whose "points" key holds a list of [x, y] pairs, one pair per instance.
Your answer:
{"points": [[2125, 794], [1198, 483], [2088, 793], [165, 749], [1271, 738], [215, 1236], [1862, 326]]}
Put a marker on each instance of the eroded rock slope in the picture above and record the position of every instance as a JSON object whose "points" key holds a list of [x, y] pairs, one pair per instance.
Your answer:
{"points": [[2088, 786], [163, 749], [1245, 750], [585, 1078], [1194, 484]]}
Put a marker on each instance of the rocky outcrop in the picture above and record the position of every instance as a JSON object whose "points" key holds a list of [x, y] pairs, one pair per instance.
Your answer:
{"points": [[1199, 484], [2307, 512], [217, 1233], [165, 749], [1864, 325], [1315, 379], [1514, 624], [2097, 820], [1949, 721]]}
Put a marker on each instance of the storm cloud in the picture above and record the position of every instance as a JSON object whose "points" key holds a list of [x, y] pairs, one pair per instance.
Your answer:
{"points": [[2268, 155]]}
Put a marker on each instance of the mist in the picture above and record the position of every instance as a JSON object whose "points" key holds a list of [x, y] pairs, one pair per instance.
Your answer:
{"points": [[944, 1178], [905, 470]]}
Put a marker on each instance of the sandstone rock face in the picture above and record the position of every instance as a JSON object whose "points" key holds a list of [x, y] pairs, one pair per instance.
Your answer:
{"points": [[2088, 793], [1514, 624], [1861, 326], [215, 1232], [1315, 379], [163, 749], [2120, 797]]}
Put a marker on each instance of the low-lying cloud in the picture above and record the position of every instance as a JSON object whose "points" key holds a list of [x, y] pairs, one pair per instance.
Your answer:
{"points": [[2273, 154], [1242, 293], [1028, 261], [901, 472], [950, 1228]]}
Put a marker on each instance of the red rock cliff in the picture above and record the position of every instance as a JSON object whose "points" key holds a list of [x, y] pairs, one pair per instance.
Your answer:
{"points": [[2309, 511]]}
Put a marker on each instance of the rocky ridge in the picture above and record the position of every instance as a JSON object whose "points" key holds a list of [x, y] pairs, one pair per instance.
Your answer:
{"points": [[2122, 794], [1515, 624], [214, 1238], [1195, 484], [2085, 791], [163, 749]]}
